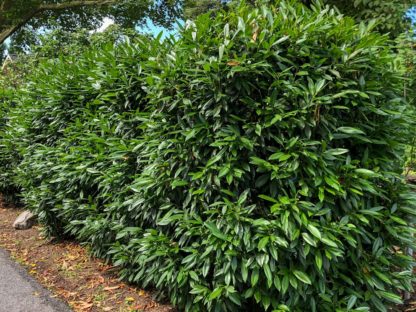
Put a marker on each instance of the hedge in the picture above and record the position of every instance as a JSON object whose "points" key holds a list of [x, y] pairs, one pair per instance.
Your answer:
{"points": [[252, 164]]}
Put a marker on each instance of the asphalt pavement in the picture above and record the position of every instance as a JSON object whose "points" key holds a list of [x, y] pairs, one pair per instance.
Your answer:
{"points": [[19, 292]]}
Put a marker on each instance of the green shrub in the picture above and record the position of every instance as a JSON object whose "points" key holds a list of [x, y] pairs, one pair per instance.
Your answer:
{"points": [[254, 164], [11, 78], [407, 56], [9, 157], [77, 120]]}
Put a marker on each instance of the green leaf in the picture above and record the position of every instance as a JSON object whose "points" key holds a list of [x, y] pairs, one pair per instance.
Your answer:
{"points": [[214, 230], [263, 242], [337, 151], [309, 239], [268, 198], [235, 297], [254, 277], [193, 275], [329, 242], [280, 40], [390, 297], [321, 194], [314, 231], [378, 304], [318, 260], [241, 25], [214, 159], [221, 52], [302, 277], [244, 272], [351, 302], [319, 85], [366, 172], [275, 119], [215, 293], [268, 274], [285, 283], [177, 183], [350, 130], [277, 282]]}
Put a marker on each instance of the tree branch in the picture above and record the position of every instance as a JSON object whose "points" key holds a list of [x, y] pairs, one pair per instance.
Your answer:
{"points": [[74, 4], [9, 30], [6, 33]]}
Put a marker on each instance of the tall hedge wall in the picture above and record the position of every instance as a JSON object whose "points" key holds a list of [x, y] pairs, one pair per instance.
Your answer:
{"points": [[252, 164]]}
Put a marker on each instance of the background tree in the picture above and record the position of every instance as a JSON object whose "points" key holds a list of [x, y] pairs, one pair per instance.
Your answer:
{"points": [[390, 14], [19, 19], [194, 8]]}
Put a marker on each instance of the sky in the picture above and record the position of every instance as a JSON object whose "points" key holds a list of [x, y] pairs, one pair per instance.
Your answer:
{"points": [[149, 27], [106, 22], [412, 14]]}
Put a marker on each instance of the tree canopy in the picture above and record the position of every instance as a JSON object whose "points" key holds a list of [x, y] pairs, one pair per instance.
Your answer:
{"points": [[18, 18], [391, 14]]}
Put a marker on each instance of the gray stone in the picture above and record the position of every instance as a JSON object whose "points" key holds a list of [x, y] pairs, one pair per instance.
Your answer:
{"points": [[411, 178], [24, 221]]}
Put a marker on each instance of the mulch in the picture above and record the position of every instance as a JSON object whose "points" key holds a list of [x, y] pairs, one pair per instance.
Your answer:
{"points": [[87, 284]]}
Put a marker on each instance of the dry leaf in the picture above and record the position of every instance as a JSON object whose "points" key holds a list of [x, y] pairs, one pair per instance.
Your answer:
{"points": [[255, 31], [112, 288], [85, 306], [64, 265], [255, 34], [233, 63]]}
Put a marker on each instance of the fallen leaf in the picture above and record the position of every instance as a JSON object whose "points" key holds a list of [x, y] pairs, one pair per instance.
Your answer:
{"points": [[64, 265], [111, 288], [85, 306], [138, 307]]}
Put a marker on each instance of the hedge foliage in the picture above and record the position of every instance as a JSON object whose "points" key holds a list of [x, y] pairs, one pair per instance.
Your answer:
{"points": [[251, 164], [9, 157]]}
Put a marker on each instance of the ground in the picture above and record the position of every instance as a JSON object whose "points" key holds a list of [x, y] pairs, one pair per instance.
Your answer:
{"points": [[20, 292], [85, 283]]}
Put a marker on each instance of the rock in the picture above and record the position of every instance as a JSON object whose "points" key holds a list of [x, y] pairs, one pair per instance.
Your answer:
{"points": [[24, 221], [411, 178]]}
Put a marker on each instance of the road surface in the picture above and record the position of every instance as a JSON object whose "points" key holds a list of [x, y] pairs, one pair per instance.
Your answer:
{"points": [[19, 292]]}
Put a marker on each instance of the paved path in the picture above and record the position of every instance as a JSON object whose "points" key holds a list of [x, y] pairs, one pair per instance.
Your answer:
{"points": [[19, 292]]}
